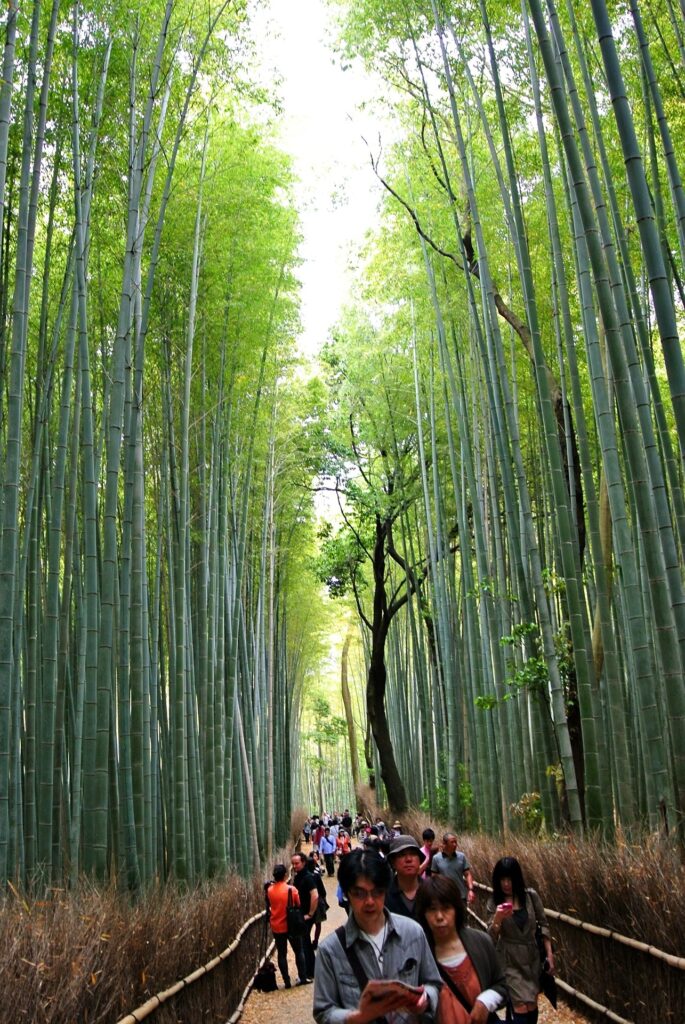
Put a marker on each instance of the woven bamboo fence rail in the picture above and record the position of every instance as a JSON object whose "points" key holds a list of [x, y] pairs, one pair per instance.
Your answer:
{"points": [[152, 1004], [677, 962], [568, 989], [606, 933]]}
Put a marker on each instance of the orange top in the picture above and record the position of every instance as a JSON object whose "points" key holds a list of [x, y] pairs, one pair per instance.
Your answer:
{"points": [[450, 1010], [277, 894]]}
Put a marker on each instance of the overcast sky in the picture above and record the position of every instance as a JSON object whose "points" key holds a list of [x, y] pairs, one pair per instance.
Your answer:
{"points": [[322, 129]]}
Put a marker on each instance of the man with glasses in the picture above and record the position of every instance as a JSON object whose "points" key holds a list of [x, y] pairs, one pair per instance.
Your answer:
{"points": [[379, 964]]}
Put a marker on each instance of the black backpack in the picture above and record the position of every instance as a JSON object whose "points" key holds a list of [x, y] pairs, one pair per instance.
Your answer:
{"points": [[265, 978]]}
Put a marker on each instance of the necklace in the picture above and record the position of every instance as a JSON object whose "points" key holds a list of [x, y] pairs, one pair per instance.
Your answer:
{"points": [[379, 947]]}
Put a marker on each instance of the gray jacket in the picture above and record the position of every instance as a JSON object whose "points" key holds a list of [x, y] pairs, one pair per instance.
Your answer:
{"points": [[518, 950], [406, 956]]}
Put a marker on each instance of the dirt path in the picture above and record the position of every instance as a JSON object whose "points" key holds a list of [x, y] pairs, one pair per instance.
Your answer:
{"points": [[294, 1006]]}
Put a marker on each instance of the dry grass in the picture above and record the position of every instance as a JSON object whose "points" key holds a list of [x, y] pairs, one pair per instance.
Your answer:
{"points": [[630, 888], [92, 956]]}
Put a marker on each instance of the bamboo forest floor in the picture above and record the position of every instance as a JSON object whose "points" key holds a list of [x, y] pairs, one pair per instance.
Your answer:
{"points": [[294, 1006]]}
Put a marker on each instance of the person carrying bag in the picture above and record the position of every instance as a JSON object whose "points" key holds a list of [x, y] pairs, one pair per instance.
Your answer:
{"points": [[287, 924]]}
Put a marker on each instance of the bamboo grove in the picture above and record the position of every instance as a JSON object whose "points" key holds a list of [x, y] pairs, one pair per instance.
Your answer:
{"points": [[151, 516], [507, 402], [499, 416]]}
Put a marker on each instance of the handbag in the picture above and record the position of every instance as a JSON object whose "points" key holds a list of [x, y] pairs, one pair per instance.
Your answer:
{"points": [[547, 981], [321, 912], [294, 916]]}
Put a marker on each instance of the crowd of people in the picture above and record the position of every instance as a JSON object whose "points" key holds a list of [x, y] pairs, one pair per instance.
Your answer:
{"points": [[406, 954]]}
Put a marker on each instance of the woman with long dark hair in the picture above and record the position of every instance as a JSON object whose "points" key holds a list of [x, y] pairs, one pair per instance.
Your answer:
{"points": [[515, 912], [474, 983]]}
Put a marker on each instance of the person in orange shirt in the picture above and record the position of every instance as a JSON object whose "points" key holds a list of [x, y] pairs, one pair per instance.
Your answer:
{"points": [[342, 843], [277, 899]]}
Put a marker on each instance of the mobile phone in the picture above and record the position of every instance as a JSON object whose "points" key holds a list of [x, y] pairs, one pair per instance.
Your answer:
{"points": [[383, 987]]}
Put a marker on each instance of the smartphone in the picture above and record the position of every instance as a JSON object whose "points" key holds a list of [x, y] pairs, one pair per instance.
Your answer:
{"points": [[382, 987]]}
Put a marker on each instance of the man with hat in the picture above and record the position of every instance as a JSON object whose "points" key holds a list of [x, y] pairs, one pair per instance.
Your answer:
{"points": [[405, 858]]}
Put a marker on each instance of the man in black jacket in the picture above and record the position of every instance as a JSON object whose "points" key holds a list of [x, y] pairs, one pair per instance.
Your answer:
{"points": [[405, 859], [305, 883]]}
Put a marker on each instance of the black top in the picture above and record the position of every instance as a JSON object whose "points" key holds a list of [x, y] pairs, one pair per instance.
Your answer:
{"points": [[397, 903], [304, 882]]}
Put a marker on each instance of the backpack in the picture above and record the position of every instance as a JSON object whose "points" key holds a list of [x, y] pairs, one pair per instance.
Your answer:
{"points": [[265, 978]]}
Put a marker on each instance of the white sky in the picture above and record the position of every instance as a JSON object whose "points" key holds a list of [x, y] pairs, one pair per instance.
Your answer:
{"points": [[322, 129]]}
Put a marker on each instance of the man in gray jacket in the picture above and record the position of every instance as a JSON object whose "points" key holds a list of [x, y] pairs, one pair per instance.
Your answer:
{"points": [[378, 964]]}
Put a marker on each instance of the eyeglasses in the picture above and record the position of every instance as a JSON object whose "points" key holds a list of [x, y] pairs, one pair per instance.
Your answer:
{"points": [[358, 893]]}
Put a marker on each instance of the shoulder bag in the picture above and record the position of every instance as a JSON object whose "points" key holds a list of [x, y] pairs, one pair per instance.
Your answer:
{"points": [[356, 965], [294, 916]]}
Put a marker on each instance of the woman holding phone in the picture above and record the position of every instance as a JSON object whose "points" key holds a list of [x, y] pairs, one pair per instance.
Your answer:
{"points": [[379, 964], [515, 911], [474, 982]]}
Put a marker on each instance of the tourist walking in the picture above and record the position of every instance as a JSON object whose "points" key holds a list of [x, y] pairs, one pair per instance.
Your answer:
{"points": [[474, 981], [428, 851], [327, 847], [515, 914], [278, 895], [452, 863], [306, 886], [321, 912], [358, 964], [405, 859]]}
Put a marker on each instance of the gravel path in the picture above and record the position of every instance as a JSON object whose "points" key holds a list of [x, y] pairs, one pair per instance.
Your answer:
{"points": [[294, 1006]]}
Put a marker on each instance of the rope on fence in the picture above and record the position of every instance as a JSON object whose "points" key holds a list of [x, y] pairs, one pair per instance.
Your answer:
{"points": [[568, 989], [141, 1012], [607, 933]]}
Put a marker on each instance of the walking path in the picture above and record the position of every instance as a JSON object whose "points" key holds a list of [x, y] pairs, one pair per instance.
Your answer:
{"points": [[294, 1006]]}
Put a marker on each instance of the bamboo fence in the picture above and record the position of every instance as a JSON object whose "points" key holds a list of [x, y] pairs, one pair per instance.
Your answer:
{"points": [[606, 933], [152, 1004], [677, 962]]}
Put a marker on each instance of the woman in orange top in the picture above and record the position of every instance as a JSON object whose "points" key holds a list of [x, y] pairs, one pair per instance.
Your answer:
{"points": [[474, 985], [342, 844], [277, 899]]}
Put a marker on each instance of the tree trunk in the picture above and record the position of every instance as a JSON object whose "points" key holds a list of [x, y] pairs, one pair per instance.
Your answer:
{"points": [[377, 676], [347, 703]]}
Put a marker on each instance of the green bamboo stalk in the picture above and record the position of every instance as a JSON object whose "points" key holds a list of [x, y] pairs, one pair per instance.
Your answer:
{"points": [[644, 214]]}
